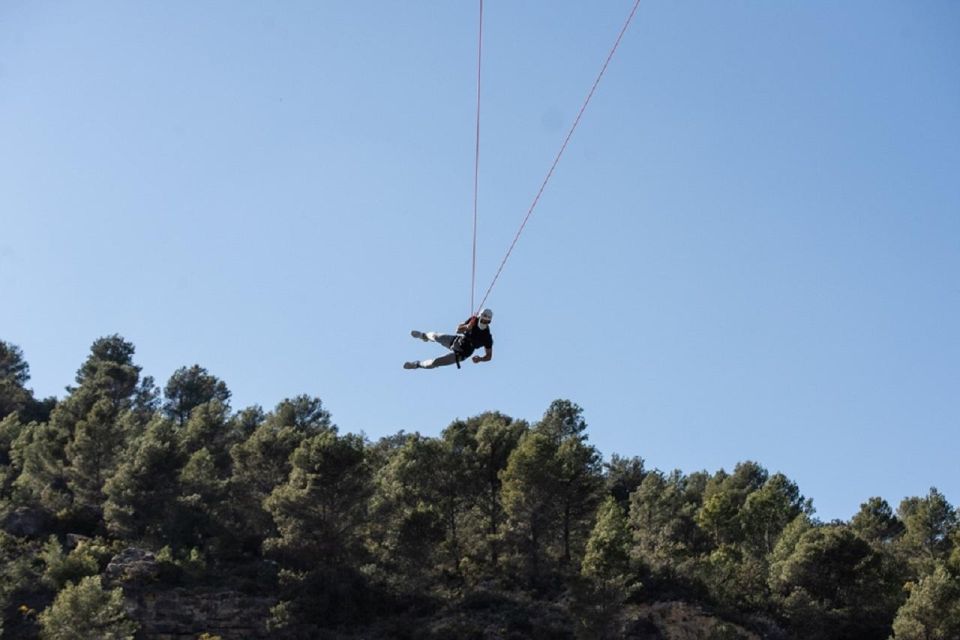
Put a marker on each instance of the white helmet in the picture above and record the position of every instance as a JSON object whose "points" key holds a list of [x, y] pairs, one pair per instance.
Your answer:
{"points": [[485, 317]]}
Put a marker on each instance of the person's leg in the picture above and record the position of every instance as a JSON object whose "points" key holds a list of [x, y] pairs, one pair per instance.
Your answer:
{"points": [[442, 361], [445, 339]]}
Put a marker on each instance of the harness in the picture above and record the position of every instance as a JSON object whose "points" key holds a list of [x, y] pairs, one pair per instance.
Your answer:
{"points": [[457, 346], [456, 350]]}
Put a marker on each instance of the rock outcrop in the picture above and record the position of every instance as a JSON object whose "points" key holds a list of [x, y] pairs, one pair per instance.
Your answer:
{"points": [[186, 614], [132, 566]]}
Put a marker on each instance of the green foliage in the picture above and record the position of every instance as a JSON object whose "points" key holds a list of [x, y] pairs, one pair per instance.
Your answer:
{"points": [[577, 475], [494, 526], [20, 571], [282, 617], [10, 429], [141, 494], [304, 414], [418, 503], [562, 419], [551, 487], [106, 352], [65, 462], [607, 558], [529, 501], [201, 508], [787, 543], [85, 610], [14, 396], [437, 510], [721, 516], [491, 444], [321, 509], [876, 523], [39, 452], [108, 372], [188, 388], [735, 580], [932, 612], [12, 365], [62, 568], [663, 513], [209, 427], [836, 578], [182, 566], [767, 511], [579, 480], [953, 562], [623, 477], [262, 461], [92, 454], [607, 571], [14, 399], [199, 477], [246, 421], [929, 523]]}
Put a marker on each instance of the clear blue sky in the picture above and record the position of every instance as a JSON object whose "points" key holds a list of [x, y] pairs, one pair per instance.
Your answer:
{"points": [[750, 250]]}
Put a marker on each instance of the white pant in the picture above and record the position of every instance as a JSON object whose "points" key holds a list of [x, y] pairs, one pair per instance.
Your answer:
{"points": [[446, 340]]}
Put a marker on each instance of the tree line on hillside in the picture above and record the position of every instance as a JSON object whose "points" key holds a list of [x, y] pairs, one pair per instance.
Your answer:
{"points": [[496, 519]]}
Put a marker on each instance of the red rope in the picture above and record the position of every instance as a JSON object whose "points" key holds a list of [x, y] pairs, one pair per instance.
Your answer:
{"points": [[560, 153], [476, 163]]}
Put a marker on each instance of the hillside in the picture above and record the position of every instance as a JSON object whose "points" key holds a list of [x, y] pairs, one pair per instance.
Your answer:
{"points": [[127, 511]]}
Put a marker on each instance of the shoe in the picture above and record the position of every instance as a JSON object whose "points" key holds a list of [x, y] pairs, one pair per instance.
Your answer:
{"points": [[420, 334], [411, 365]]}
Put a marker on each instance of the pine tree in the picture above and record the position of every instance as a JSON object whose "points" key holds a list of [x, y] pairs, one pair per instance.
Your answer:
{"points": [[663, 519], [577, 474], [92, 454], [14, 374], [838, 580], [321, 515], [579, 480], [623, 476], [720, 516], [418, 504], [529, 501], [767, 511], [929, 523], [320, 510], [876, 523], [202, 506], [86, 610], [932, 612], [10, 429], [496, 438], [210, 427], [188, 388], [606, 568], [261, 462], [607, 558], [141, 494], [39, 454]]}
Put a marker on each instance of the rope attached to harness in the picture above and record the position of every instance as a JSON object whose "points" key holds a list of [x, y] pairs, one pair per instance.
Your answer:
{"points": [[560, 153], [476, 165]]}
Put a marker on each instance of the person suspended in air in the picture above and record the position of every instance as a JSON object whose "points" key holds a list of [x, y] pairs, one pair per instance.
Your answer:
{"points": [[470, 336]]}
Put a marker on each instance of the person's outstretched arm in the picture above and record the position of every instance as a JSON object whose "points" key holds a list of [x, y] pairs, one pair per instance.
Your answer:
{"points": [[486, 357]]}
